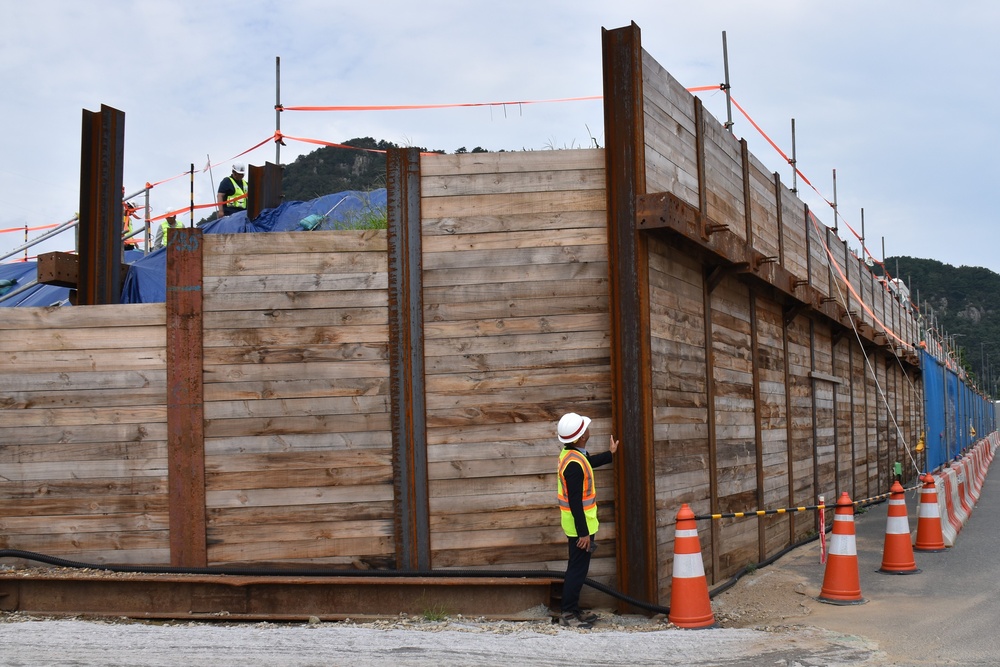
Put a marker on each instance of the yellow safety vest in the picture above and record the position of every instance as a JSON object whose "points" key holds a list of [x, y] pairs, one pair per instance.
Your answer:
{"points": [[165, 230], [238, 191], [589, 493]]}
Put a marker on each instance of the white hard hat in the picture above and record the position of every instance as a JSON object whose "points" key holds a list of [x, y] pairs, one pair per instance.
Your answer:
{"points": [[238, 167], [571, 427]]}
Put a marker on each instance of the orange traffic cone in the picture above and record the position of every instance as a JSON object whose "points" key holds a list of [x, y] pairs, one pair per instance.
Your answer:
{"points": [[690, 606], [841, 582], [929, 535], [897, 554]]}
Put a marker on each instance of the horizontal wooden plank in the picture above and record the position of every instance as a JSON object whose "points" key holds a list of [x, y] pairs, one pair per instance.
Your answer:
{"points": [[22, 381], [303, 476], [297, 496], [294, 263], [296, 369], [306, 424], [216, 287], [463, 184], [75, 361], [308, 388], [294, 335], [582, 340], [273, 357], [534, 307], [322, 406], [80, 338], [265, 301], [555, 221], [84, 523], [339, 241], [343, 443], [298, 514], [508, 274], [511, 240], [107, 316], [96, 416], [83, 397], [69, 452], [513, 203], [517, 325], [439, 164]]}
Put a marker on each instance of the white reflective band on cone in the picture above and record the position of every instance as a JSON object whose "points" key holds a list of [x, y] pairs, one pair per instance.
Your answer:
{"points": [[843, 545], [929, 511], [843, 517], [692, 532], [688, 566], [897, 525]]}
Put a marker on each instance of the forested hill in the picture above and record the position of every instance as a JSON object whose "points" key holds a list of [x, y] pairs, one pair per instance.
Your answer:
{"points": [[965, 301], [333, 169]]}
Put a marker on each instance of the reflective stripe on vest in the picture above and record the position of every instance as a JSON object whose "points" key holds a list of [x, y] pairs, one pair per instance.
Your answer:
{"points": [[238, 191], [589, 493]]}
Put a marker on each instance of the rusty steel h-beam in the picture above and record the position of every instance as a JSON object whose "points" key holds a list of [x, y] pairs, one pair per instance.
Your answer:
{"points": [[406, 355], [185, 400], [102, 153], [631, 367]]}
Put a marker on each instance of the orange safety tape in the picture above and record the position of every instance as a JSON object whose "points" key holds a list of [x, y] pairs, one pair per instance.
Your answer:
{"points": [[851, 289], [320, 142], [809, 183], [30, 229]]}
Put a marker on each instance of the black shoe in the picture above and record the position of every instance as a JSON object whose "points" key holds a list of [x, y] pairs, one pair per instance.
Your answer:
{"points": [[588, 616], [571, 619]]}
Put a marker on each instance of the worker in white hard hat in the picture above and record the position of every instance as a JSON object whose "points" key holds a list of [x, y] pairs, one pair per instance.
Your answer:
{"points": [[232, 194], [578, 509]]}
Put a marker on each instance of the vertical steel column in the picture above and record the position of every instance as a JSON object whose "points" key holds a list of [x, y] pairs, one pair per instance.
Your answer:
{"points": [[781, 223], [747, 194], [631, 404], [757, 426], [185, 400], [102, 152], [406, 358], [707, 287], [789, 439]]}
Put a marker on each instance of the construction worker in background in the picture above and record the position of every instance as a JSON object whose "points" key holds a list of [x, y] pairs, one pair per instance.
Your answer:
{"points": [[578, 509], [163, 233], [232, 192], [131, 242]]}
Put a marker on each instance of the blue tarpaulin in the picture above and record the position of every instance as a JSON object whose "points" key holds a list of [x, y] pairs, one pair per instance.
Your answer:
{"points": [[146, 281]]}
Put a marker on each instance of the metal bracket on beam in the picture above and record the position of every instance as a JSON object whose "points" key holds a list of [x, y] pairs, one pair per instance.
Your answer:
{"points": [[791, 312], [714, 227], [770, 259]]}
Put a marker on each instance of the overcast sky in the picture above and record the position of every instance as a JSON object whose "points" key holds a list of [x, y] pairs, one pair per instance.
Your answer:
{"points": [[898, 97]]}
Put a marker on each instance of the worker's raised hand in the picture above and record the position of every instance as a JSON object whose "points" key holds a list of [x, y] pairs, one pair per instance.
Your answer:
{"points": [[614, 445]]}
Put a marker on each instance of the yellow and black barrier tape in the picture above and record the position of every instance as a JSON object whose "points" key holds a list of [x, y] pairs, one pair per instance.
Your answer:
{"points": [[791, 510]]}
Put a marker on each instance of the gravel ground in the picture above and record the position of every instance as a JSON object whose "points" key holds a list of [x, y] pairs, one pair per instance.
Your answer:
{"points": [[403, 641]]}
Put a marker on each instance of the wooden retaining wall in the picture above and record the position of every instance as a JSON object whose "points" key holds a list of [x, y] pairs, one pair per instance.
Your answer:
{"points": [[83, 432], [388, 399], [296, 386]]}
